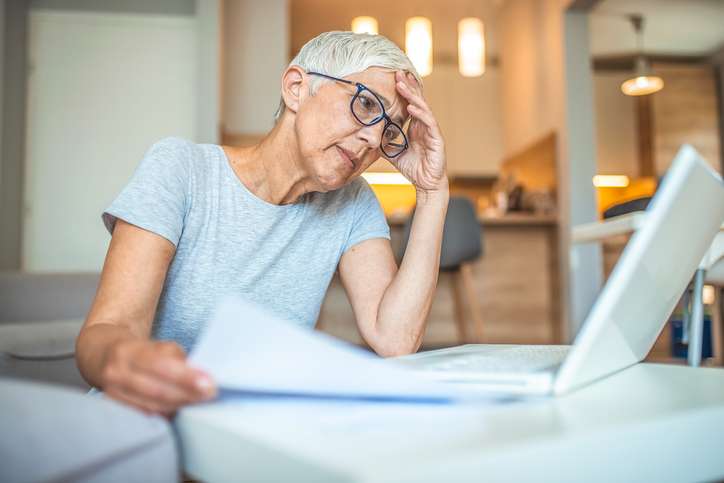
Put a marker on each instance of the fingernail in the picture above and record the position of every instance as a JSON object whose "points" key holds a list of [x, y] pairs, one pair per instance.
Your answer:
{"points": [[205, 385]]}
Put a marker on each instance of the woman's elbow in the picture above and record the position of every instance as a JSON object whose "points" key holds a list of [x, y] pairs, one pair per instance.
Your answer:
{"points": [[397, 348]]}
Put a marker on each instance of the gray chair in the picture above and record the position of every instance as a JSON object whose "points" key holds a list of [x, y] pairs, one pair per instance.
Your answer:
{"points": [[461, 246], [52, 434], [40, 317]]}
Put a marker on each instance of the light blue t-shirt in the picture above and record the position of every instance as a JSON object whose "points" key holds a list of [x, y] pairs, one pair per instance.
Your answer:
{"points": [[229, 241]]}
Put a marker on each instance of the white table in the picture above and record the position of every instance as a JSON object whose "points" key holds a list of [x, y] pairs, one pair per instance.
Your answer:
{"points": [[647, 423]]}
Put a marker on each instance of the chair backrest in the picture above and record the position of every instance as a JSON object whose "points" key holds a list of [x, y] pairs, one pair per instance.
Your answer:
{"points": [[38, 297], [629, 206], [462, 234]]}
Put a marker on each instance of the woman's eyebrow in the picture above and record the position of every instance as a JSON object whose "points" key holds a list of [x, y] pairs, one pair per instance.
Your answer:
{"points": [[399, 120], [385, 101]]}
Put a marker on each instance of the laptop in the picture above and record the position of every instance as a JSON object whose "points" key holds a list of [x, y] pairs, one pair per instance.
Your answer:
{"points": [[629, 313]]}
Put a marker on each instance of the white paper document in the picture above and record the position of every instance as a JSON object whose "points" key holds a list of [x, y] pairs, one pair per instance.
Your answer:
{"points": [[245, 348]]}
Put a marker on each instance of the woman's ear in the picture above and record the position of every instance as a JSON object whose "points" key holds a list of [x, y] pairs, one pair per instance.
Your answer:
{"points": [[294, 87]]}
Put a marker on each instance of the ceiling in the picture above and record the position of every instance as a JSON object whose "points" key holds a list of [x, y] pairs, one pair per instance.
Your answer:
{"points": [[678, 27]]}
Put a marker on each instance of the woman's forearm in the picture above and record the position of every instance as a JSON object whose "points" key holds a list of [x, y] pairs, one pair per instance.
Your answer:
{"points": [[93, 347], [406, 303]]}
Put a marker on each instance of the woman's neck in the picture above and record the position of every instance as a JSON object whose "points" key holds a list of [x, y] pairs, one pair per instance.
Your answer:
{"points": [[272, 169]]}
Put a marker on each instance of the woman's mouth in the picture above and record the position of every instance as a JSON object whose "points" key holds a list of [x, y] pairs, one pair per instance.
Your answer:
{"points": [[346, 157]]}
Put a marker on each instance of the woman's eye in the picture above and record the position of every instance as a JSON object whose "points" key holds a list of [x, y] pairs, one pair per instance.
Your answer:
{"points": [[366, 103]]}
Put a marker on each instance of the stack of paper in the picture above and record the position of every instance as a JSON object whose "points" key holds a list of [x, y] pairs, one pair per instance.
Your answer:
{"points": [[245, 348]]}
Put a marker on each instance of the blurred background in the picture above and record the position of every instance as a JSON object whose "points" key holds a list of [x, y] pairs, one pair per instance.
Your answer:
{"points": [[543, 130]]}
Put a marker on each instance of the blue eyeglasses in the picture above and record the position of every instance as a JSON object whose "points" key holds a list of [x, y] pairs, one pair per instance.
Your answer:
{"points": [[368, 109]]}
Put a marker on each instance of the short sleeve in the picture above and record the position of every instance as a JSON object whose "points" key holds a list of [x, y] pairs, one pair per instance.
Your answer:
{"points": [[155, 198], [369, 220]]}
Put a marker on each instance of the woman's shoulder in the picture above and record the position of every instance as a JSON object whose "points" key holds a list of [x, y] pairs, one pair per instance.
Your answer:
{"points": [[177, 153], [173, 147]]}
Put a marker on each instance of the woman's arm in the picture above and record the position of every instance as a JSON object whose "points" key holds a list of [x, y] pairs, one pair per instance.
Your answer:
{"points": [[391, 306], [114, 351]]}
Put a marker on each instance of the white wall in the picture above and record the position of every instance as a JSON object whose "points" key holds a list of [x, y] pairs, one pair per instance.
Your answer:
{"points": [[531, 72], [255, 45], [208, 52], [102, 88]]}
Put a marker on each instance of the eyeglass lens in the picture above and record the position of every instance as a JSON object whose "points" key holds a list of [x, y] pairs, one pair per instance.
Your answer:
{"points": [[368, 110]]}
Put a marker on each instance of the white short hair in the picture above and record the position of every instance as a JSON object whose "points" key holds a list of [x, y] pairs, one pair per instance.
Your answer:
{"points": [[340, 54]]}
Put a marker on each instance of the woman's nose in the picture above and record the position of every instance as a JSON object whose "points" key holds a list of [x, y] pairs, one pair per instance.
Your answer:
{"points": [[372, 135]]}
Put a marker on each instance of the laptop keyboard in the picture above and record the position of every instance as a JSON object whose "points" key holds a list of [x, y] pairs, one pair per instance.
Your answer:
{"points": [[525, 358]]}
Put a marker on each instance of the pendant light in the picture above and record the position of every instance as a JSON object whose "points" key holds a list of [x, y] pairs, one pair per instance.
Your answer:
{"points": [[418, 44], [365, 25], [644, 82], [471, 47]]}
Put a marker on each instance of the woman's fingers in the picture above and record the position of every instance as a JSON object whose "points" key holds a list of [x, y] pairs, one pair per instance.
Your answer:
{"points": [[410, 89], [194, 384], [411, 96], [418, 108], [155, 377], [424, 116], [162, 391], [428, 120], [143, 403]]}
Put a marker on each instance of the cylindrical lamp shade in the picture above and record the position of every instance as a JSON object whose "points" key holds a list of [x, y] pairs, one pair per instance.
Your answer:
{"points": [[471, 47], [365, 25], [418, 44]]}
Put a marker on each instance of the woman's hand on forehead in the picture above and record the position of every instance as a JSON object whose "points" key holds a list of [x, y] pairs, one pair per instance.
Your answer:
{"points": [[424, 162]]}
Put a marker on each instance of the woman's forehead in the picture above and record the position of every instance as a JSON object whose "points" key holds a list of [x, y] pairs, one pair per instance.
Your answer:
{"points": [[380, 80]]}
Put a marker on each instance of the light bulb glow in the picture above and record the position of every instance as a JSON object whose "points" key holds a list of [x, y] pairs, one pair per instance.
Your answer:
{"points": [[610, 181], [471, 47], [365, 25], [642, 85], [418, 44]]}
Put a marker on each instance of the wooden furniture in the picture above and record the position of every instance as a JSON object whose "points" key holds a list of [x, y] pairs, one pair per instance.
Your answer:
{"points": [[464, 291]]}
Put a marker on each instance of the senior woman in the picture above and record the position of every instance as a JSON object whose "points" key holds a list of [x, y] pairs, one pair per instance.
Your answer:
{"points": [[272, 222]]}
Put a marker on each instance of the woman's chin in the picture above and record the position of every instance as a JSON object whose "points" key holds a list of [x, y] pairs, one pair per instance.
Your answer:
{"points": [[332, 182]]}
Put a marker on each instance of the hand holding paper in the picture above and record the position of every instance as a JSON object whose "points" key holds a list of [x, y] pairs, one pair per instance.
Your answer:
{"points": [[245, 348]]}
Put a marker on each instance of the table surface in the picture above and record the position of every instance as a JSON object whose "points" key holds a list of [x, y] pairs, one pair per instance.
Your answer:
{"points": [[650, 422]]}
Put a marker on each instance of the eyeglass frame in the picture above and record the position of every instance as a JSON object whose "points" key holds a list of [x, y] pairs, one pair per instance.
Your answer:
{"points": [[361, 87]]}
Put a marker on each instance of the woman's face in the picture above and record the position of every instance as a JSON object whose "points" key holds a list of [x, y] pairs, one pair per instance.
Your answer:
{"points": [[335, 147]]}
